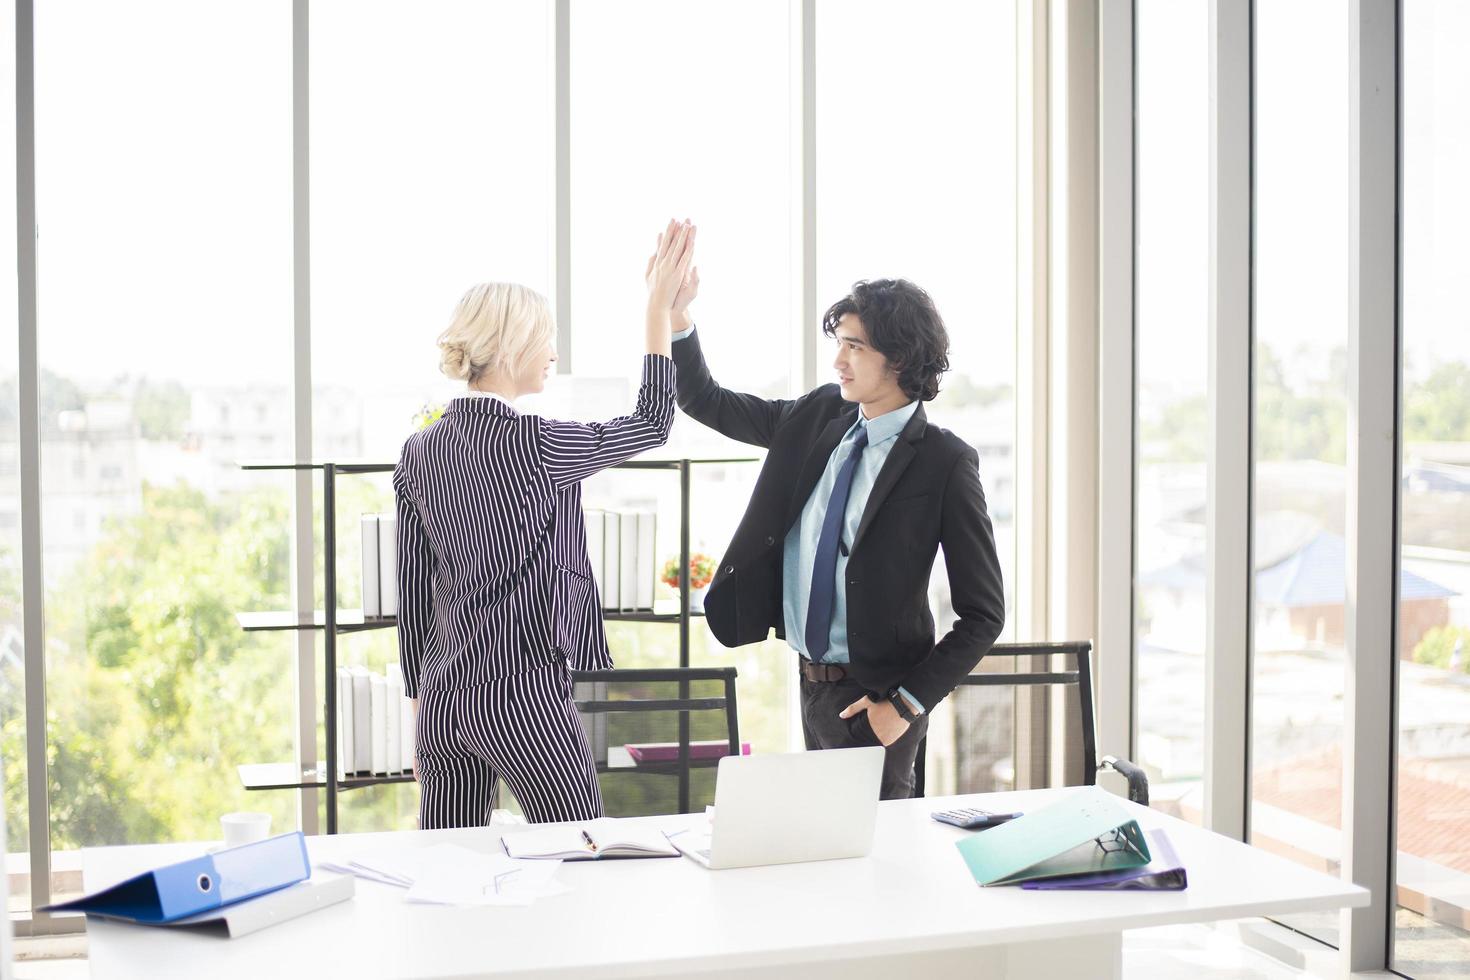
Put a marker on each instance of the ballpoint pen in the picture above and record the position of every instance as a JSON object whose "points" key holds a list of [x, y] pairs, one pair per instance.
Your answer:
{"points": [[592, 844]]}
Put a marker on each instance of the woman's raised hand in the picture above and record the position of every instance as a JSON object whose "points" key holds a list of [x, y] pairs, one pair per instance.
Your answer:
{"points": [[669, 267]]}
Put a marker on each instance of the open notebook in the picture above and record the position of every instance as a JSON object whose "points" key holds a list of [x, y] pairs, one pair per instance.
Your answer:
{"points": [[598, 839]]}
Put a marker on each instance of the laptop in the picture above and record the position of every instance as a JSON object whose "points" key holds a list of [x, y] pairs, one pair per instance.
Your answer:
{"points": [[782, 809]]}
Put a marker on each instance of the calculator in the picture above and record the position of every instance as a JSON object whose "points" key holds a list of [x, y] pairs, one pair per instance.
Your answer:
{"points": [[972, 819]]}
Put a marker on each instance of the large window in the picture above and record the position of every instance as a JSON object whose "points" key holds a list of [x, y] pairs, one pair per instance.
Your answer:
{"points": [[1299, 444], [906, 188], [1433, 864], [163, 199], [431, 170], [431, 161], [712, 142], [167, 349], [932, 200], [1172, 333]]}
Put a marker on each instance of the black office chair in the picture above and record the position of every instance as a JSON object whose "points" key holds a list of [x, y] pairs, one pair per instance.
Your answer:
{"points": [[658, 734], [1081, 677]]}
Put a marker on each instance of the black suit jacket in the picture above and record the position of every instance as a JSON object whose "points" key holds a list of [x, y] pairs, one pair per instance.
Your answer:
{"points": [[927, 496]]}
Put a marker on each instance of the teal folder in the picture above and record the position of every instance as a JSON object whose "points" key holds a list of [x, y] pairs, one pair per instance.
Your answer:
{"points": [[200, 884], [1087, 831]]}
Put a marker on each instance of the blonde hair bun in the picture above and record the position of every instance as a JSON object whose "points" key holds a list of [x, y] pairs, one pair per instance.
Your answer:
{"points": [[454, 361], [497, 329]]}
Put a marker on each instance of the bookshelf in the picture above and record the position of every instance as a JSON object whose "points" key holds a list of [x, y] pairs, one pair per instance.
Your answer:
{"points": [[335, 622]]}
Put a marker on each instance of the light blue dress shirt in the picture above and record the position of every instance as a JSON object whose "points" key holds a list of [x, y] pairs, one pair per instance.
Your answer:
{"points": [[800, 551]]}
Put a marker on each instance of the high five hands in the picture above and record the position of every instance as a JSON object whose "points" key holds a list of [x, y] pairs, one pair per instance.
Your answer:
{"points": [[671, 276]]}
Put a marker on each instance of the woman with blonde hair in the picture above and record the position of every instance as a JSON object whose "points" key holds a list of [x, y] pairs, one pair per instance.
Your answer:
{"points": [[496, 603]]}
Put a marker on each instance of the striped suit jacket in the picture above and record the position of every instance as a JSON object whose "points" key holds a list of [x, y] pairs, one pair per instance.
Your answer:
{"points": [[493, 574]]}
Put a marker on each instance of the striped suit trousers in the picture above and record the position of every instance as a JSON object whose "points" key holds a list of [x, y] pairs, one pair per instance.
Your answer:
{"points": [[523, 729], [496, 602]]}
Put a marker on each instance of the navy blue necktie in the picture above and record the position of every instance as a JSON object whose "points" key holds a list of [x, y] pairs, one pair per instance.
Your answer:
{"points": [[824, 568]]}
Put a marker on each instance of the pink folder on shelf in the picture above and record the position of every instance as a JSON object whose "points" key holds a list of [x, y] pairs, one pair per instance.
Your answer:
{"points": [[669, 751]]}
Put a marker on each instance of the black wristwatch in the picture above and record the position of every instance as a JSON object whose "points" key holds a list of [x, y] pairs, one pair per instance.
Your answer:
{"points": [[902, 706]]}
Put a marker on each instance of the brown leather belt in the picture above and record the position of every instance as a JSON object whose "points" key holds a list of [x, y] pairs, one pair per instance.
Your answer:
{"points": [[822, 673]]}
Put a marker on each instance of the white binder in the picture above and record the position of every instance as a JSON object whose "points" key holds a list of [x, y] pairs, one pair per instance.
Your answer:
{"points": [[346, 731], [627, 562], [378, 691], [611, 576], [645, 558], [282, 905], [362, 720], [371, 608], [393, 696], [595, 521], [405, 720], [388, 563]]}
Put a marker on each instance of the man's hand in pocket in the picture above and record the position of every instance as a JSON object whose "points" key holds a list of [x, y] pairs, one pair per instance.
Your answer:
{"points": [[883, 718]]}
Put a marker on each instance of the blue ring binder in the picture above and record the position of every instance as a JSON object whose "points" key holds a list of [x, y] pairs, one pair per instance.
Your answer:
{"points": [[174, 891]]}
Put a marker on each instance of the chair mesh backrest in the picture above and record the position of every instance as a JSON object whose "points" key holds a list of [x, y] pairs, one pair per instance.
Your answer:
{"points": [[984, 719], [973, 750], [630, 789]]}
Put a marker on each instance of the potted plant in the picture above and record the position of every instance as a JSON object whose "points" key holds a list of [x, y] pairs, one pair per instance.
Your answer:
{"points": [[701, 572]]}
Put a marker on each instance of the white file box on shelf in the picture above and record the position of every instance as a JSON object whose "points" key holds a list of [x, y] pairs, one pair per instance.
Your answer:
{"points": [[627, 561], [645, 559], [371, 608], [394, 717], [362, 720], [378, 693], [611, 576], [596, 521], [388, 564], [346, 729]]}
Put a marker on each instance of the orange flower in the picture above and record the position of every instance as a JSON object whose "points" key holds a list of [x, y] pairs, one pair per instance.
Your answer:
{"points": [[701, 571]]}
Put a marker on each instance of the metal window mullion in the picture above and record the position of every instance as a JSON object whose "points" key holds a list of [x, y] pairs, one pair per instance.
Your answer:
{"points": [[1229, 465], [303, 568], [33, 584], [806, 114], [1033, 372], [1074, 332], [803, 137], [1371, 611], [561, 31], [1115, 427]]}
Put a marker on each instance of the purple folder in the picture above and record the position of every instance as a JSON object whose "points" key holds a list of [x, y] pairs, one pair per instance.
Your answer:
{"points": [[669, 751], [1163, 873]]}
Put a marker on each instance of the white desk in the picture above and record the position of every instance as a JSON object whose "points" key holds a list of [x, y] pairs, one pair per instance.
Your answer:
{"points": [[909, 909]]}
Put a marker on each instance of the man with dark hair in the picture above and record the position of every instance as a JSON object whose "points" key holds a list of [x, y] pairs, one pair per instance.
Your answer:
{"points": [[857, 495]]}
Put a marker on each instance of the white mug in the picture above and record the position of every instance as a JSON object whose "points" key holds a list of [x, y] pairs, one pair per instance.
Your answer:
{"points": [[245, 828]]}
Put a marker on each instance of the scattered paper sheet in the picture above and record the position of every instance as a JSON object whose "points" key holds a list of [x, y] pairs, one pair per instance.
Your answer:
{"points": [[448, 874]]}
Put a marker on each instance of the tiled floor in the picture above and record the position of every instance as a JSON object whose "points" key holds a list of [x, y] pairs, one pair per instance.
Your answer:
{"points": [[1427, 950], [1261, 950], [1206, 952]]}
